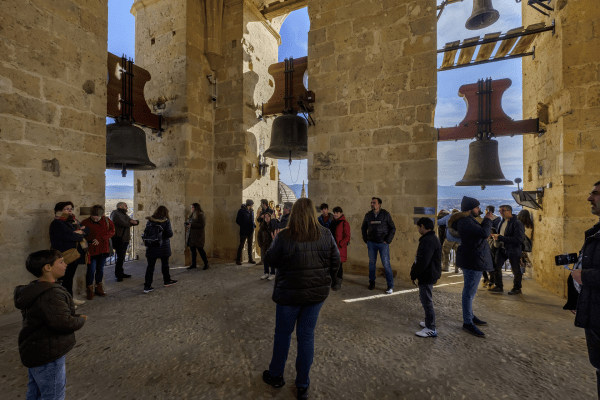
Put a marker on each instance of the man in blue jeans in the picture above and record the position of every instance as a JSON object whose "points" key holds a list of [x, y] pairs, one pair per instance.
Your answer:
{"points": [[473, 256], [378, 231]]}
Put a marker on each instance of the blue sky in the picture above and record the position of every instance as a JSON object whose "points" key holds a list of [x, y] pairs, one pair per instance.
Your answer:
{"points": [[451, 109]]}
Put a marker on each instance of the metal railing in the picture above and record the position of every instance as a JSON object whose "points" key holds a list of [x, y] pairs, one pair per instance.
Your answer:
{"points": [[129, 254]]}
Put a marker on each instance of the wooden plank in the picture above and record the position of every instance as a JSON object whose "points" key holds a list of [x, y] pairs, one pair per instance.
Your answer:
{"points": [[507, 44], [276, 9], [466, 54], [525, 41], [486, 50], [450, 56]]}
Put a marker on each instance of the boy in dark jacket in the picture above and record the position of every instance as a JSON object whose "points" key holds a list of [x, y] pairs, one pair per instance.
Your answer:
{"points": [[427, 269], [49, 323]]}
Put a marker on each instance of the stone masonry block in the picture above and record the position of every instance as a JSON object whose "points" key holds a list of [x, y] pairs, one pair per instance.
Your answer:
{"points": [[21, 80], [26, 107], [11, 129], [82, 121], [358, 123], [405, 116], [394, 135]]}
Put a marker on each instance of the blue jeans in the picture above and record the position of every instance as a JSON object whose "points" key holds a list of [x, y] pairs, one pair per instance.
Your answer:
{"points": [[384, 254], [471, 279], [305, 317], [47, 382], [95, 267]]}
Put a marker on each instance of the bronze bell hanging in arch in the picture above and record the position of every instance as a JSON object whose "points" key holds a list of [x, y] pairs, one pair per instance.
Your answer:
{"points": [[483, 167], [483, 15], [126, 148], [289, 138]]}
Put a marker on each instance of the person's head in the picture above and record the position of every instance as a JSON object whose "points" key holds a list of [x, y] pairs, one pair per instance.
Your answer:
{"points": [[424, 225], [122, 205], [490, 208], [96, 212], [278, 208], [46, 263], [268, 217], [442, 213], [471, 205], [376, 204], [525, 217], [337, 212], [303, 225], [287, 207], [161, 213], [505, 211], [65, 207], [196, 208], [594, 199], [324, 209], [249, 204], [264, 203]]}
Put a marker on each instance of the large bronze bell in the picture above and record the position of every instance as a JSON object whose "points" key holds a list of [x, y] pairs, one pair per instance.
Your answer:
{"points": [[483, 15], [289, 138], [126, 148], [483, 167]]}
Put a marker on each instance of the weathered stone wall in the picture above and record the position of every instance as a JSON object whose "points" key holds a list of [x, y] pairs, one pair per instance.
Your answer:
{"points": [[372, 66], [562, 87], [52, 105]]}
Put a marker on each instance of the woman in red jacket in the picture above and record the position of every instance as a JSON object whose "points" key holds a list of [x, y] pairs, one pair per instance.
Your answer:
{"points": [[101, 230], [340, 228]]}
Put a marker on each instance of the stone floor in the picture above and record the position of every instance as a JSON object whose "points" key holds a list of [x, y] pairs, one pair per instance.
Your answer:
{"points": [[211, 336]]}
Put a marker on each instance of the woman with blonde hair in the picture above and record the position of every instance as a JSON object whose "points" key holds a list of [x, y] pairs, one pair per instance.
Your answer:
{"points": [[307, 260]]}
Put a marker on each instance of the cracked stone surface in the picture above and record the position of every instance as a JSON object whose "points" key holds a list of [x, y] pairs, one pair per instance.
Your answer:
{"points": [[211, 336]]}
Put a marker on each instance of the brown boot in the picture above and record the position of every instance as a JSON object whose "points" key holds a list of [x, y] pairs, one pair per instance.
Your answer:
{"points": [[100, 290], [90, 292]]}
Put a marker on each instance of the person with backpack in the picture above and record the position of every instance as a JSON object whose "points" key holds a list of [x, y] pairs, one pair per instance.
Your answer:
{"points": [[158, 245], [101, 230], [340, 229]]}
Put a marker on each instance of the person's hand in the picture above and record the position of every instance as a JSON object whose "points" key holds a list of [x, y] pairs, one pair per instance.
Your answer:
{"points": [[84, 317], [495, 236], [134, 222], [385, 242], [79, 231], [415, 282], [576, 274], [95, 242], [489, 215]]}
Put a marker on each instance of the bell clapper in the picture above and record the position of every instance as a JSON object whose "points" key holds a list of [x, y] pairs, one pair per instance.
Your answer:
{"points": [[124, 171]]}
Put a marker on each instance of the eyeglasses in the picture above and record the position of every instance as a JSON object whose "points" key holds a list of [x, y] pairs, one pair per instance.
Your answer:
{"points": [[67, 209]]}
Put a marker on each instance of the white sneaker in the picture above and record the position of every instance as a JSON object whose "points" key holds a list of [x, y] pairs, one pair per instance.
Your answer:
{"points": [[422, 324], [426, 332], [265, 276], [389, 291], [78, 302], [271, 277]]}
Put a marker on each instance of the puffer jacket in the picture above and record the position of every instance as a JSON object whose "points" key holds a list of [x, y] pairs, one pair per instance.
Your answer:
{"points": [[378, 229], [427, 268], [305, 271], [122, 223], [195, 235], [588, 304], [165, 249], [49, 322], [513, 236], [474, 252]]}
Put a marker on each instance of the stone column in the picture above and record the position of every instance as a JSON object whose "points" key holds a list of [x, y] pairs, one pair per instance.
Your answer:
{"points": [[372, 66], [52, 106], [561, 87]]}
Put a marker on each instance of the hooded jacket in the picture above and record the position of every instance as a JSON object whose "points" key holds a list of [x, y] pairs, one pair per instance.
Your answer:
{"points": [[427, 268], [165, 249], [378, 228], [122, 223], [49, 322], [305, 271], [588, 304], [245, 219], [340, 228], [474, 252]]}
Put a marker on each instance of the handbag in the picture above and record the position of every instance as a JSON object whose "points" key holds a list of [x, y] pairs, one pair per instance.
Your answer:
{"points": [[71, 255], [527, 245]]}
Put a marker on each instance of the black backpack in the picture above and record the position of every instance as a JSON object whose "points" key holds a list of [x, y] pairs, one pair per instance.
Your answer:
{"points": [[153, 235]]}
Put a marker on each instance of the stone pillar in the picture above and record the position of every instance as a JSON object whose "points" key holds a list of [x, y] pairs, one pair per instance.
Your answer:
{"points": [[52, 106], [561, 86], [372, 66]]}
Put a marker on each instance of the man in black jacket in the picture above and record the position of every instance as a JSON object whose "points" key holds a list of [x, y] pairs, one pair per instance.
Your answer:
{"points": [[378, 231], [287, 208], [508, 242], [588, 304], [245, 219], [427, 269]]}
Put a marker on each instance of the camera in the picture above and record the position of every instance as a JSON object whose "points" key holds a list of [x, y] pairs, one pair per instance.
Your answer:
{"points": [[565, 259]]}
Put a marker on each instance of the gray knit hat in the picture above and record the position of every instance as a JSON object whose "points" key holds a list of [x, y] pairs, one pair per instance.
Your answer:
{"points": [[249, 203]]}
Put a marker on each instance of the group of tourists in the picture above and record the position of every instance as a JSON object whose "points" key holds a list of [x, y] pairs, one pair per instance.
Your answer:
{"points": [[308, 255]]}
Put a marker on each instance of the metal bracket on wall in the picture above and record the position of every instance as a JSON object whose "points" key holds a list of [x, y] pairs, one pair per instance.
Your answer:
{"points": [[442, 6], [540, 3]]}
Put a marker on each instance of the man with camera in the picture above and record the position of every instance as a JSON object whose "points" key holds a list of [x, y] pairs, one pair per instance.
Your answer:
{"points": [[508, 242], [588, 276]]}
